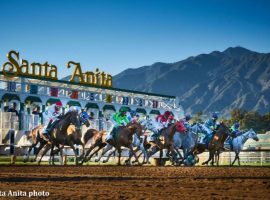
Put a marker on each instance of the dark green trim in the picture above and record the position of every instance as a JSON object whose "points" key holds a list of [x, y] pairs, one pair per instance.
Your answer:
{"points": [[127, 108], [52, 100], [94, 86], [141, 110], [10, 96], [109, 107], [74, 103], [33, 99], [92, 105], [155, 112]]}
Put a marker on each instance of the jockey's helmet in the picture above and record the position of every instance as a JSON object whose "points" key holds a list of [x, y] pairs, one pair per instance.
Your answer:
{"points": [[58, 103], [167, 114], [236, 125], [188, 117], [215, 116], [123, 110], [133, 113]]}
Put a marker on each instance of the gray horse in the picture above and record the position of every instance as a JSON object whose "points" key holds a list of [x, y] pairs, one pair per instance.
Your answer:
{"points": [[239, 141], [188, 141]]}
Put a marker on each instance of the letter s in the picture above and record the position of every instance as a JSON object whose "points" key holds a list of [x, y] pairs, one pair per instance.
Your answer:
{"points": [[11, 68]]}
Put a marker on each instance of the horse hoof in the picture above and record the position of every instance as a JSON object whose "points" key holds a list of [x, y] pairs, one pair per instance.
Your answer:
{"points": [[104, 161]]}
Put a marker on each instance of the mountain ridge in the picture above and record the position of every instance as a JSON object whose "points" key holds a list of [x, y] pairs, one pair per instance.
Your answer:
{"points": [[218, 81]]}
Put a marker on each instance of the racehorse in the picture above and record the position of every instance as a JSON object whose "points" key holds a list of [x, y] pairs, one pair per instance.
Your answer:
{"points": [[239, 141], [217, 143], [63, 133], [187, 141], [167, 134], [123, 137], [97, 142], [36, 136]]}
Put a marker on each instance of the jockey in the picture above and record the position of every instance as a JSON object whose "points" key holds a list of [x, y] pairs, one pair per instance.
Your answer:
{"points": [[210, 126], [74, 108], [83, 114], [186, 122], [235, 129], [51, 117], [133, 116], [162, 121], [118, 119]]}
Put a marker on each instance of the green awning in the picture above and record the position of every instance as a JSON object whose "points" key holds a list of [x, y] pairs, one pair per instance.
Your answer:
{"points": [[10, 96], [109, 107], [92, 105], [141, 110], [127, 108], [74, 103], [33, 99], [155, 112], [52, 101]]}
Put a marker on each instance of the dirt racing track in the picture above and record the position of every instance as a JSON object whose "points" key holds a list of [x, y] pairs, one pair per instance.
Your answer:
{"points": [[113, 182]]}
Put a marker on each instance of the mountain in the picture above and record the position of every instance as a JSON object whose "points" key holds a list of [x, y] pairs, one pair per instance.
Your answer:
{"points": [[219, 81]]}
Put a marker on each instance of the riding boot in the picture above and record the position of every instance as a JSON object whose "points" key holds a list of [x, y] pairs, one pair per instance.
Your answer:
{"points": [[46, 132]]}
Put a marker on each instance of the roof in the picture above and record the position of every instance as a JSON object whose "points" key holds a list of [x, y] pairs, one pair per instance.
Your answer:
{"points": [[94, 86]]}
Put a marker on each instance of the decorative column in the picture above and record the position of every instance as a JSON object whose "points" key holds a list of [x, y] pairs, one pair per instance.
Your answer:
{"points": [[21, 116]]}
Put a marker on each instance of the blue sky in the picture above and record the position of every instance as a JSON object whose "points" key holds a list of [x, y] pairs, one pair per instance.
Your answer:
{"points": [[121, 34]]}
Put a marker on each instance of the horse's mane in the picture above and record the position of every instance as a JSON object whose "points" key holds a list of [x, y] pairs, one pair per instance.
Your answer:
{"points": [[73, 112]]}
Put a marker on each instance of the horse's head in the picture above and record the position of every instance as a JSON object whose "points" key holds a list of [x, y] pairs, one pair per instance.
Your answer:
{"points": [[180, 127], [84, 119], [253, 135], [73, 117], [135, 127], [224, 129]]}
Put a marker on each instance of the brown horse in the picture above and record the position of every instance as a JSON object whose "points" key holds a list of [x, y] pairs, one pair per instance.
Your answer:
{"points": [[35, 135], [98, 141], [63, 133], [165, 143], [217, 143], [123, 137]]}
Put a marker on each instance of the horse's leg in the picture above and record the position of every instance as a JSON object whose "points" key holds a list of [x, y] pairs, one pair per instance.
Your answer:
{"points": [[235, 158], [83, 151], [209, 159], [45, 150], [107, 148], [112, 151], [96, 151], [152, 151], [180, 155], [61, 157], [217, 157], [127, 161], [213, 157], [133, 152], [41, 145], [119, 155], [85, 159], [74, 150], [145, 158], [26, 159], [238, 157]]}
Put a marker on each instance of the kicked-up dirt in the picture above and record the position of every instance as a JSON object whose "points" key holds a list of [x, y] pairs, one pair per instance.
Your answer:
{"points": [[121, 182]]}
